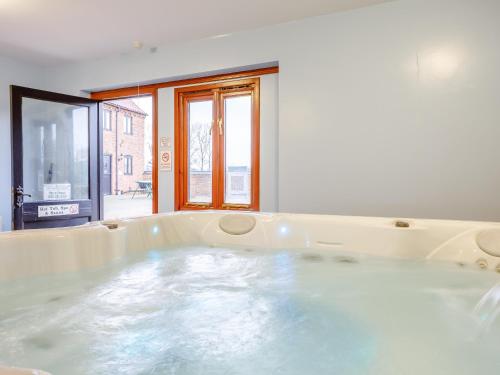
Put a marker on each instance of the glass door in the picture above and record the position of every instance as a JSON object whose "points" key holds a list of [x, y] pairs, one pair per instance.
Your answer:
{"points": [[55, 159]]}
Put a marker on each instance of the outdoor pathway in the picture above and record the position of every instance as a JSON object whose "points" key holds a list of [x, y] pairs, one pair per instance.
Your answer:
{"points": [[123, 206]]}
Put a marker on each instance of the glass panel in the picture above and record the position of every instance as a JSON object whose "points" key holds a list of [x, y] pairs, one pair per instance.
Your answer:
{"points": [[200, 151], [55, 150], [238, 149], [127, 180]]}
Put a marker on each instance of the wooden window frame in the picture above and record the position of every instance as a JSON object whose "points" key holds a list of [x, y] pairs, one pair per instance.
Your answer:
{"points": [[134, 92], [216, 92], [152, 90]]}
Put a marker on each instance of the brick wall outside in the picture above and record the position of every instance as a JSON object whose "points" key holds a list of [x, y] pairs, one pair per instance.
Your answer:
{"points": [[127, 145]]}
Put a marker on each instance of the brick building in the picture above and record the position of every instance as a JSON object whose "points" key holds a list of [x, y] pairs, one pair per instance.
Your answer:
{"points": [[123, 146]]}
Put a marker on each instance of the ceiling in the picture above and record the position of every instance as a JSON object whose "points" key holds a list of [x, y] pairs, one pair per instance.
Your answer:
{"points": [[57, 31]]}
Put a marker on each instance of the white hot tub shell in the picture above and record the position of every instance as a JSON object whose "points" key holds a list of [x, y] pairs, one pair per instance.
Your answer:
{"points": [[39, 252], [33, 253]]}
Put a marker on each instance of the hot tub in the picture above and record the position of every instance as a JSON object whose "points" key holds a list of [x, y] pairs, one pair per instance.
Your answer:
{"points": [[238, 293]]}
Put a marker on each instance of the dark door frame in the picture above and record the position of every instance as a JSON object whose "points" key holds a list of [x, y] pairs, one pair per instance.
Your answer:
{"points": [[91, 208]]}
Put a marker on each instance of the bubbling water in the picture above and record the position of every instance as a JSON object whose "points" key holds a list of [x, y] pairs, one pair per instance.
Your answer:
{"points": [[201, 310]]}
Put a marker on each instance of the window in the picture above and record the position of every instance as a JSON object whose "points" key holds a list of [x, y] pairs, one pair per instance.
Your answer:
{"points": [[127, 124], [107, 119], [218, 131], [127, 165]]}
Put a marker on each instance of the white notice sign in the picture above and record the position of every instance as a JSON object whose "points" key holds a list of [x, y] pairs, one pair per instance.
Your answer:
{"points": [[164, 142], [56, 192], [59, 210], [166, 160]]}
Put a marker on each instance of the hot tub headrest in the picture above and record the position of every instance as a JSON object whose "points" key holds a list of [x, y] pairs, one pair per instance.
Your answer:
{"points": [[488, 240], [237, 224]]}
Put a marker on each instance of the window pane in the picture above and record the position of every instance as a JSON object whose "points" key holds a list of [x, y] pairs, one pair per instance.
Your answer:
{"points": [[200, 151], [107, 120], [127, 125], [55, 150], [128, 165], [238, 149]]}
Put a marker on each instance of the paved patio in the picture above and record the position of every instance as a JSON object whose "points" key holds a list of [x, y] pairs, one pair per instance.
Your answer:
{"points": [[123, 206]]}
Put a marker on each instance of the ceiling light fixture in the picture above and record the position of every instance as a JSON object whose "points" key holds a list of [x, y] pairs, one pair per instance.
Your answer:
{"points": [[137, 44]]}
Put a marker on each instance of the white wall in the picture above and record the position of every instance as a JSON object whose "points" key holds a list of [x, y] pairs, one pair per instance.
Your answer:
{"points": [[22, 74], [268, 145], [393, 111], [390, 110], [166, 181]]}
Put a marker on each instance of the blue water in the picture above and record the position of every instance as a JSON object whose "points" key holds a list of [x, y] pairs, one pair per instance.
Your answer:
{"points": [[203, 310]]}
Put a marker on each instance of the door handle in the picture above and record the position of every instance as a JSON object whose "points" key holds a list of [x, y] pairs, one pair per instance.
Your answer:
{"points": [[19, 196]]}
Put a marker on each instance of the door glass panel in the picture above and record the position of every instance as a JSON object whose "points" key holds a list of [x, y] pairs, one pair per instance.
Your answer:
{"points": [[238, 149], [55, 150], [127, 179], [200, 151]]}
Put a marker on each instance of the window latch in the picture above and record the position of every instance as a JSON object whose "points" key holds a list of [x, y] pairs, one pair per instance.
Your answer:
{"points": [[220, 126]]}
